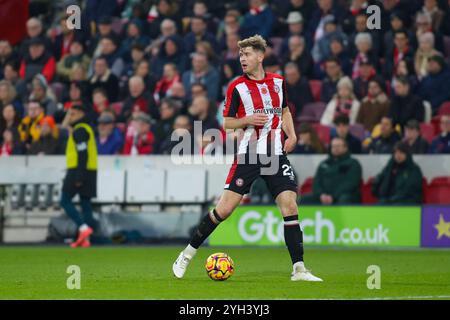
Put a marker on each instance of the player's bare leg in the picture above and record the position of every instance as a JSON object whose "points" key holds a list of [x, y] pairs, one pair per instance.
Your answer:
{"points": [[293, 235], [226, 205]]}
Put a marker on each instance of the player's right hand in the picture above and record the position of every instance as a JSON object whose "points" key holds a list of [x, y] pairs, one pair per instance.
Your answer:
{"points": [[257, 119]]}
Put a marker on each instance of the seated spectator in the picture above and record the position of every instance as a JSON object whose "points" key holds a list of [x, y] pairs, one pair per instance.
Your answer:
{"points": [[110, 52], [171, 52], [109, 138], [337, 179], [405, 69], [41, 92], [100, 101], [8, 95], [29, 129], [423, 54], [417, 144], [299, 54], [204, 73], [104, 78], [139, 100], [339, 51], [181, 141], [9, 119], [344, 102], [163, 128], [169, 78], [333, 73], [397, 21], [35, 30], [332, 30], [9, 144], [366, 73], [77, 95], [143, 71], [374, 106], [37, 60], [361, 27], [162, 10], [400, 182], [271, 62], [296, 27], [405, 105], [434, 87], [200, 111], [48, 141], [441, 144], [258, 20], [134, 36], [401, 50], [7, 54], [64, 38], [384, 144], [431, 7], [76, 55], [199, 32], [168, 28], [104, 29], [137, 54], [139, 138], [298, 89], [342, 125], [231, 50], [203, 47], [11, 74], [423, 25], [308, 141]]}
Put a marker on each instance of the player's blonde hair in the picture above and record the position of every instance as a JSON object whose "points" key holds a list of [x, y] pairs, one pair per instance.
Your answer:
{"points": [[256, 42]]}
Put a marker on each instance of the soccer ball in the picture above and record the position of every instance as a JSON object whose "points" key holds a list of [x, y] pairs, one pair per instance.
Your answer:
{"points": [[219, 266]]}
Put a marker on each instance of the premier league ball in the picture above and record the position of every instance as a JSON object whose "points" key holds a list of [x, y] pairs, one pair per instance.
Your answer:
{"points": [[219, 266]]}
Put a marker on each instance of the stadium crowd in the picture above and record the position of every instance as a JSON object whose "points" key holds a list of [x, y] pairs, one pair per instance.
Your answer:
{"points": [[148, 68]]}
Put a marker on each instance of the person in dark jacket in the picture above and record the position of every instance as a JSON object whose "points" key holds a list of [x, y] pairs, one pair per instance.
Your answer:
{"points": [[37, 60], [81, 176], [388, 138], [342, 124], [104, 78], [400, 182], [334, 73], [109, 138], [405, 105], [413, 138], [338, 178], [441, 143], [48, 142], [298, 89]]}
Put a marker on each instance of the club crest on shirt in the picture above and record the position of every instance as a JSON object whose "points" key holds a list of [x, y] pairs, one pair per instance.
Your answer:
{"points": [[264, 90]]}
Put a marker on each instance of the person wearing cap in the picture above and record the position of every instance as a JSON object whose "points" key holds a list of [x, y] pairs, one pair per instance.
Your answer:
{"points": [[413, 138], [296, 26], [109, 138], [37, 60], [435, 86], [48, 142], [332, 30], [139, 139], [81, 175], [304, 7], [400, 181]]}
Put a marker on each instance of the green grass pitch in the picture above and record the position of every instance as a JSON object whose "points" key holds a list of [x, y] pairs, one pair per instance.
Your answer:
{"points": [[260, 273]]}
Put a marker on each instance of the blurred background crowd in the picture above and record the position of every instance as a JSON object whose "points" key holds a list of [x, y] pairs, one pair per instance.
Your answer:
{"points": [[147, 68]]}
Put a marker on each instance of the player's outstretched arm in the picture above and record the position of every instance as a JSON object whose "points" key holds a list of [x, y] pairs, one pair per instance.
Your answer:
{"points": [[288, 128]]}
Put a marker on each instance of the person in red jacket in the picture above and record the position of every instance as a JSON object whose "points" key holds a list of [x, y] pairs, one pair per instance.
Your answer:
{"points": [[37, 60], [139, 139]]}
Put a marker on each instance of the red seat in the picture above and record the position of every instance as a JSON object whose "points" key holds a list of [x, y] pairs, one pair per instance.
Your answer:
{"points": [[444, 109], [312, 112], [323, 132], [427, 130], [366, 192], [438, 191], [316, 89], [307, 186]]}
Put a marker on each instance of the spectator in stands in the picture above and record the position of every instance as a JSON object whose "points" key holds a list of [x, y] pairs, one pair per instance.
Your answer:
{"points": [[181, 141], [48, 142], [104, 78], [100, 101], [405, 105], [424, 53], [441, 144], [42, 93], [164, 9], [143, 71], [104, 29], [139, 140], [333, 73], [109, 138], [204, 73], [169, 78], [337, 179], [77, 95], [308, 141], [139, 100], [9, 119], [134, 36], [200, 110], [205, 48], [384, 144], [296, 27], [110, 52], [163, 128], [8, 96], [29, 126], [424, 25], [361, 27], [78, 73], [258, 20], [413, 138], [397, 23], [271, 62], [299, 54], [229, 25], [400, 182], [35, 30], [343, 102], [9, 144], [437, 15], [37, 60], [304, 7], [76, 55], [231, 50], [136, 56], [298, 89], [339, 51], [11, 74], [7, 54], [332, 30], [366, 73], [405, 69], [374, 106], [64, 39], [171, 52], [342, 125], [364, 54], [168, 28], [324, 8], [402, 50], [435, 86], [199, 32]]}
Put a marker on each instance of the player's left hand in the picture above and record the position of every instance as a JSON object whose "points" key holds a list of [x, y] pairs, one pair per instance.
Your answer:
{"points": [[289, 144]]}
